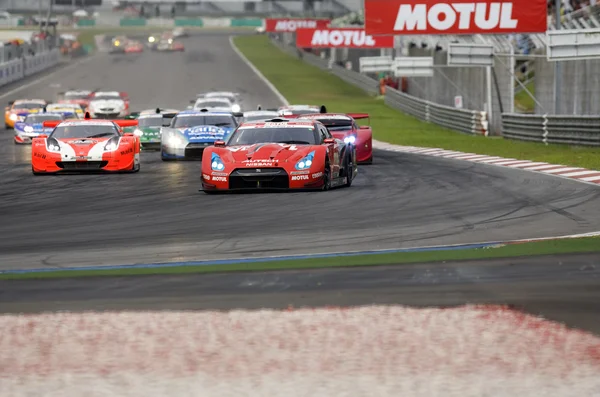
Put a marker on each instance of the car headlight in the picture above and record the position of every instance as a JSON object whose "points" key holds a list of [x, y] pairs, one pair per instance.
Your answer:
{"points": [[175, 141], [305, 162], [350, 139], [236, 108], [216, 163], [13, 117], [53, 145], [138, 132], [111, 145], [28, 128], [151, 39]]}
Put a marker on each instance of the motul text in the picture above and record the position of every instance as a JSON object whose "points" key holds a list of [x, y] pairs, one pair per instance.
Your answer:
{"points": [[290, 25], [434, 17], [340, 38]]}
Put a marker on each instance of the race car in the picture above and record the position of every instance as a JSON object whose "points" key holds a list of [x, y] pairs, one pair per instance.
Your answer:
{"points": [[33, 126], [215, 104], [111, 95], [68, 109], [295, 110], [150, 125], [344, 127], [233, 97], [86, 145], [118, 44], [168, 113], [81, 98], [108, 105], [179, 32], [279, 154], [169, 45], [192, 131], [133, 46], [255, 115], [19, 109]]}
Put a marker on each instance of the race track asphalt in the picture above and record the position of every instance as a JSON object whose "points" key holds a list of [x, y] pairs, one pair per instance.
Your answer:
{"points": [[158, 214]]}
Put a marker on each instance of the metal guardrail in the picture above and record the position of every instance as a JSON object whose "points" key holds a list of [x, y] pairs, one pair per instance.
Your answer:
{"points": [[558, 129], [468, 121], [26, 66]]}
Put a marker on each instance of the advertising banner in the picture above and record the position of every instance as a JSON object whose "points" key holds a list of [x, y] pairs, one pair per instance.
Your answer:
{"points": [[340, 38], [411, 17], [287, 25]]}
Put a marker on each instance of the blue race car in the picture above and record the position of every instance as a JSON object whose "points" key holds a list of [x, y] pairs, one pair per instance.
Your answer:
{"points": [[191, 131], [33, 125]]}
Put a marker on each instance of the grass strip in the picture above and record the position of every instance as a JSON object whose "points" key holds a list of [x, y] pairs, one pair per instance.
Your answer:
{"points": [[303, 83], [548, 247]]}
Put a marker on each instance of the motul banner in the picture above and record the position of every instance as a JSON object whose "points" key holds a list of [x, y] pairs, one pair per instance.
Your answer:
{"points": [[396, 17], [340, 38], [286, 25]]}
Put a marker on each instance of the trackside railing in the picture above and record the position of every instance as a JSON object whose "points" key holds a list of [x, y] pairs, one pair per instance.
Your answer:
{"points": [[559, 129], [17, 69]]}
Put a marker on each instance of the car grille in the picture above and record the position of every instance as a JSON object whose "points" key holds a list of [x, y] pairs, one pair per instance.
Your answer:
{"points": [[107, 115], [266, 178], [195, 150], [82, 165], [151, 146]]}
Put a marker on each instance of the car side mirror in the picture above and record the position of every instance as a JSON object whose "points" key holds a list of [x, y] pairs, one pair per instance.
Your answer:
{"points": [[365, 127], [329, 140], [128, 134], [219, 143]]}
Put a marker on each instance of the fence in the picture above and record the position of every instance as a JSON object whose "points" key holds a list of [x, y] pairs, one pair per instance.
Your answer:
{"points": [[570, 130], [26, 66]]}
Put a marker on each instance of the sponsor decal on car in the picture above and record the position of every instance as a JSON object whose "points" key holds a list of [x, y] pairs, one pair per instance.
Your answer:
{"points": [[290, 25], [219, 173], [300, 172], [300, 177], [219, 178], [84, 142], [436, 17], [341, 38], [317, 175], [207, 177], [261, 163]]}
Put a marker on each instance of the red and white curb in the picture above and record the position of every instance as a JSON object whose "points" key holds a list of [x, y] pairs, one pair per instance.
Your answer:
{"points": [[575, 173], [362, 351]]}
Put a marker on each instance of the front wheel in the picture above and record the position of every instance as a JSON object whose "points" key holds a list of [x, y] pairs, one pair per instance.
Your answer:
{"points": [[349, 169], [326, 177]]}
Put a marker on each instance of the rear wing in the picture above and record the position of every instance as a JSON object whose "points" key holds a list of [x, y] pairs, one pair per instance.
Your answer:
{"points": [[360, 116], [121, 123]]}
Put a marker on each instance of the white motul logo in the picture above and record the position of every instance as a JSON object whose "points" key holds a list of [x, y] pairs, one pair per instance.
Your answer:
{"points": [[443, 16], [292, 25], [337, 38]]}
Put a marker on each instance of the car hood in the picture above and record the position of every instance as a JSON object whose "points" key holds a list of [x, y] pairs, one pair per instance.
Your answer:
{"points": [[37, 127], [264, 152], [107, 103]]}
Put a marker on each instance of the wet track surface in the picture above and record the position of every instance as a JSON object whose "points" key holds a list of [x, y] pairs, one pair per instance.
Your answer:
{"points": [[158, 215]]}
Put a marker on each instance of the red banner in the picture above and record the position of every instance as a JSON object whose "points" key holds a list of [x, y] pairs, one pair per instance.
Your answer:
{"points": [[286, 25], [395, 17], [340, 38]]}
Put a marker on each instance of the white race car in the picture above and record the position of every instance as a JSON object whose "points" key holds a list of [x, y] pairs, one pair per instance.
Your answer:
{"points": [[107, 105], [233, 97], [216, 105]]}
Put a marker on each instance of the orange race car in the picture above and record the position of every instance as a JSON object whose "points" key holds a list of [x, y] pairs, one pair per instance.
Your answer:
{"points": [[17, 110], [86, 145]]}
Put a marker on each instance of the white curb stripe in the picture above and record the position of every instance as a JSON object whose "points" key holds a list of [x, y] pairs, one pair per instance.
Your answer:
{"points": [[559, 170], [580, 173], [497, 160], [511, 162], [528, 164], [591, 178], [544, 167]]}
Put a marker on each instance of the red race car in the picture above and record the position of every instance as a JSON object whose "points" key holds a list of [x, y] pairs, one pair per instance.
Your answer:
{"points": [[278, 154], [134, 47], [86, 145], [81, 98], [344, 127]]}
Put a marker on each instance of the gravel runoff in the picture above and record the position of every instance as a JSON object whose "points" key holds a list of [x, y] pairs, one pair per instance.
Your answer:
{"points": [[364, 351]]}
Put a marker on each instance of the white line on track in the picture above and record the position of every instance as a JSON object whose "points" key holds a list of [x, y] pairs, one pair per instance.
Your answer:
{"points": [[258, 73], [45, 77]]}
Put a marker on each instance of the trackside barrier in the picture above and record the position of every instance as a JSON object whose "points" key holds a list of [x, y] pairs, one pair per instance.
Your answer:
{"points": [[17, 69], [559, 129], [468, 121]]}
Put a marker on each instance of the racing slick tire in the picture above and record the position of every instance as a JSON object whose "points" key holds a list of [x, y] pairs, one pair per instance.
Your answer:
{"points": [[368, 162], [7, 127], [326, 177], [348, 169]]}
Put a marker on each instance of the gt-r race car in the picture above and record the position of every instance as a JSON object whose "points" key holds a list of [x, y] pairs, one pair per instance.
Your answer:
{"points": [[191, 132], [295, 110], [19, 109], [67, 109], [215, 105], [344, 127], [150, 125], [169, 45], [108, 105], [279, 154], [133, 46], [33, 126], [81, 98], [233, 97], [86, 145]]}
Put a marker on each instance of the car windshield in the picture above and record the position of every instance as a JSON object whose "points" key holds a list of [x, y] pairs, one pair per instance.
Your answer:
{"points": [[230, 97], [259, 117], [106, 97], [337, 124], [154, 121], [85, 131], [252, 135], [72, 95], [216, 120], [213, 104], [296, 112], [28, 105], [40, 118]]}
